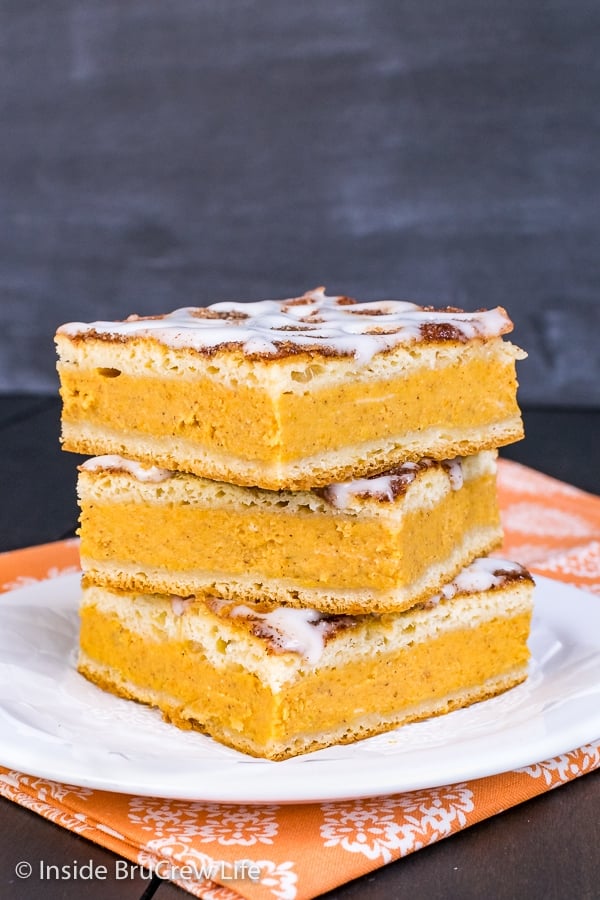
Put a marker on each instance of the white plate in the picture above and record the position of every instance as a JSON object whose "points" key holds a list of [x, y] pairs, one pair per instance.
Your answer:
{"points": [[54, 724]]}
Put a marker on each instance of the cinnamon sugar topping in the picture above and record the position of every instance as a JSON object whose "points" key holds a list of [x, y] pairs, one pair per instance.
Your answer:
{"points": [[331, 326]]}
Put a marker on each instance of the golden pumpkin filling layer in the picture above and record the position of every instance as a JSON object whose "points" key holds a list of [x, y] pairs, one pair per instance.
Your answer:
{"points": [[187, 536], [246, 422], [365, 685]]}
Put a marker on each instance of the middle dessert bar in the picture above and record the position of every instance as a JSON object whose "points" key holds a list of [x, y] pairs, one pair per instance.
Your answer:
{"points": [[377, 544]]}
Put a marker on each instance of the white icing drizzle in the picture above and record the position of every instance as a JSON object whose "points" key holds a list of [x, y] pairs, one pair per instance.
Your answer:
{"points": [[455, 472], [180, 604], [481, 575], [291, 630], [115, 463], [341, 494], [385, 488], [314, 321]]}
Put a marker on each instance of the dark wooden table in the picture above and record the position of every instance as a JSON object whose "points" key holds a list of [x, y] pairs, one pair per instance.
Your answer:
{"points": [[547, 848]]}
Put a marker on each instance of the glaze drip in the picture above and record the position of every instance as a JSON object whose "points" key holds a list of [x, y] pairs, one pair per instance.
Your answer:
{"points": [[390, 485], [482, 574], [115, 463], [299, 631]]}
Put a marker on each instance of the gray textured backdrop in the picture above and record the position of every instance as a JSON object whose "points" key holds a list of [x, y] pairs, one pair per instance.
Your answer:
{"points": [[156, 155]]}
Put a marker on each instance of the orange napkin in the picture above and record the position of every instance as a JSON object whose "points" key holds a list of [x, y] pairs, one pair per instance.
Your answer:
{"points": [[228, 851]]}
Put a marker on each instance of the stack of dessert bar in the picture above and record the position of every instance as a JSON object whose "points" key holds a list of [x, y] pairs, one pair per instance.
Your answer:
{"points": [[284, 540]]}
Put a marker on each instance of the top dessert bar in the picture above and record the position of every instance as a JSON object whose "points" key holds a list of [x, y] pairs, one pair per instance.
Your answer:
{"points": [[290, 394]]}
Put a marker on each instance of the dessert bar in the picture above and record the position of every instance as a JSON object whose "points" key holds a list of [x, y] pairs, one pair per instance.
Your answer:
{"points": [[376, 544], [293, 394], [285, 682]]}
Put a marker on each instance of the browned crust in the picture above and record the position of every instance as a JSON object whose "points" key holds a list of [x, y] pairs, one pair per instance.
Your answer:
{"points": [[286, 349]]}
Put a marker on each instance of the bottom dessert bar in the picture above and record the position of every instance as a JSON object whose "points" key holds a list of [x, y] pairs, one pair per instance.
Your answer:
{"points": [[289, 681]]}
